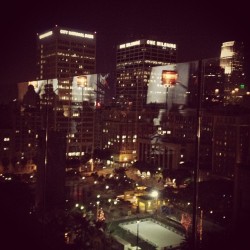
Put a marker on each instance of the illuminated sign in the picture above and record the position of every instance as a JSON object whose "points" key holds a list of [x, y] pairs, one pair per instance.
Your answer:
{"points": [[150, 42], [161, 44], [45, 35], [126, 45], [171, 84], [168, 77], [78, 34]]}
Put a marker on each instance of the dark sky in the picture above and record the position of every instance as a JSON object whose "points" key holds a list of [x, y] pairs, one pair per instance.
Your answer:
{"points": [[198, 29]]}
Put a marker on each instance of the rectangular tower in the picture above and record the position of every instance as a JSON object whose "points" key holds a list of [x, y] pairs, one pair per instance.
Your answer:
{"points": [[134, 61], [63, 52], [232, 62], [133, 66]]}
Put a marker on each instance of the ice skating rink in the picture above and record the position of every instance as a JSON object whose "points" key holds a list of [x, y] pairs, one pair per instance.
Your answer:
{"points": [[154, 233]]}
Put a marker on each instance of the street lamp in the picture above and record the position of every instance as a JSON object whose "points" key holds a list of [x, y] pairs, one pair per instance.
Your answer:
{"points": [[97, 209], [137, 233], [155, 195]]}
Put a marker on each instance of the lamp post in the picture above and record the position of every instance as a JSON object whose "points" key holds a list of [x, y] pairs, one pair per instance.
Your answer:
{"points": [[97, 209], [155, 195], [137, 233]]}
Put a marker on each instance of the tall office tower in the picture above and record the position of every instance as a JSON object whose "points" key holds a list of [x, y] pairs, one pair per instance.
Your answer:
{"points": [[134, 61], [63, 52], [232, 61], [213, 83], [133, 67]]}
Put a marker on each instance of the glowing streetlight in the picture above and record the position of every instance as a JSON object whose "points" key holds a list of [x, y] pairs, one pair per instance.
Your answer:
{"points": [[155, 195]]}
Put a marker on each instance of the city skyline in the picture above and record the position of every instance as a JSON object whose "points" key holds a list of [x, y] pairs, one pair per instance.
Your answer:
{"points": [[173, 143], [197, 29]]}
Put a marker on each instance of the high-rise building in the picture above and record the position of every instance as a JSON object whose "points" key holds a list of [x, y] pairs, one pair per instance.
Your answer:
{"points": [[63, 52], [73, 105], [133, 67], [213, 82], [232, 61], [134, 61]]}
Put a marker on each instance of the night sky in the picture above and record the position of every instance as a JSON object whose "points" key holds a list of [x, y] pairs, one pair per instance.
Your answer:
{"points": [[198, 29]]}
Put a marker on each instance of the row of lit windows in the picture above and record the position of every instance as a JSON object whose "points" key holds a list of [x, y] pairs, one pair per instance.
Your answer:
{"points": [[158, 57], [60, 45], [134, 73], [139, 63], [75, 44], [156, 53], [68, 55]]}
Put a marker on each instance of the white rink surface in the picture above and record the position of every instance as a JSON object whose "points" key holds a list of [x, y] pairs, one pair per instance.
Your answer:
{"points": [[154, 233]]}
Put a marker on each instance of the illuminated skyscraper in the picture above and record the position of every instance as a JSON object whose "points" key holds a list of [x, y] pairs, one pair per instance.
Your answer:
{"points": [[133, 67], [232, 61], [63, 52], [134, 61]]}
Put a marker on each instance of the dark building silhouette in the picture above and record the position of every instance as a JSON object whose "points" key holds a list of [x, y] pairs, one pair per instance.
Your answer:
{"points": [[51, 170], [31, 99]]}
